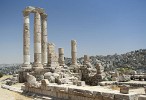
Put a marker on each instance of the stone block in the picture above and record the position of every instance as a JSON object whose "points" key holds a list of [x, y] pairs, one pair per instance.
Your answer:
{"points": [[46, 98], [44, 84], [54, 94], [81, 83], [145, 89], [86, 98], [124, 89], [97, 95], [43, 87], [62, 95], [74, 82], [44, 92], [31, 89], [114, 78], [125, 97], [22, 76], [71, 97], [77, 92], [142, 97], [70, 91], [50, 88], [61, 89], [23, 88], [76, 97], [70, 83], [88, 93], [49, 93], [108, 96]]}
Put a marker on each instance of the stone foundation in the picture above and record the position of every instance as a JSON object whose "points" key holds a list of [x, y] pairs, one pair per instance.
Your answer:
{"points": [[22, 75], [64, 92], [142, 97], [134, 84]]}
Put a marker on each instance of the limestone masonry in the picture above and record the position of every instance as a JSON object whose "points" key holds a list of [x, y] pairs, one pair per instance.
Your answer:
{"points": [[49, 75]]}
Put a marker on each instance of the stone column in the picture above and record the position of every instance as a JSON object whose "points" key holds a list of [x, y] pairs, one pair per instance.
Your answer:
{"points": [[26, 41], [51, 52], [86, 59], [37, 42], [61, 56], [74, 52], [44, 39]]}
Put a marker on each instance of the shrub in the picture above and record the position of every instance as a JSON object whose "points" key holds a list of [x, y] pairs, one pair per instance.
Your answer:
{"points": [[1, 75]]}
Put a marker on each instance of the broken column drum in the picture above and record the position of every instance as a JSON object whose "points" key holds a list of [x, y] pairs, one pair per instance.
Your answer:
{"points": [[52, 56], [61, 56], [51, 51], [86, 59], [40, 38]]}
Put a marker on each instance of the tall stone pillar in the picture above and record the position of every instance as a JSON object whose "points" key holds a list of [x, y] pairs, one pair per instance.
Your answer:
{"points": [[61, 56], [26, 41], [37, 42], [44, 39], [74, 52]]}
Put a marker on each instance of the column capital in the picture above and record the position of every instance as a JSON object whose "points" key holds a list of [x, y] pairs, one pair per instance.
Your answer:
{"points": [[26, 13], [73, 42], [44, 16]]}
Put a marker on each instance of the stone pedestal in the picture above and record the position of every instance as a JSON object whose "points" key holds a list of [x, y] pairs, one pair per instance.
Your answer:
{"points": [[124, 89], [22, 75]]}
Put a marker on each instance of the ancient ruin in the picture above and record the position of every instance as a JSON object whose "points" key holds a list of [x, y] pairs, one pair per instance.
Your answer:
{"points": [[49, 75], [52, 55], [61, 56], [40, 38]]}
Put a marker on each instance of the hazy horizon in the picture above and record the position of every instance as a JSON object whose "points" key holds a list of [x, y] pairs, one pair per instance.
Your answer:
{"points": [[100, 27]]}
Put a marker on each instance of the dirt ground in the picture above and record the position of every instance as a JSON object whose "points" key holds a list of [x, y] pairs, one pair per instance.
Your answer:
{"points": [[10, 95]]}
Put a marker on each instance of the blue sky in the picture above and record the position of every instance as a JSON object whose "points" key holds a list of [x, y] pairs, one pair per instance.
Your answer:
{"points": [[100, 27]]}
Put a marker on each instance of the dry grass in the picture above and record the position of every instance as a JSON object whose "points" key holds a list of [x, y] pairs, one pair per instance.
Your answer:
{"points": [[5, 77]]}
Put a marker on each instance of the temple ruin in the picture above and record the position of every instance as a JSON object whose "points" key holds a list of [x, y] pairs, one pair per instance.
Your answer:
{"points": [[40, 38], [49, 75]]}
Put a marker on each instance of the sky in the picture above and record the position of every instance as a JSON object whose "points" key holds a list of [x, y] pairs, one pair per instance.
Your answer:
{"points": [[100, 27]]}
